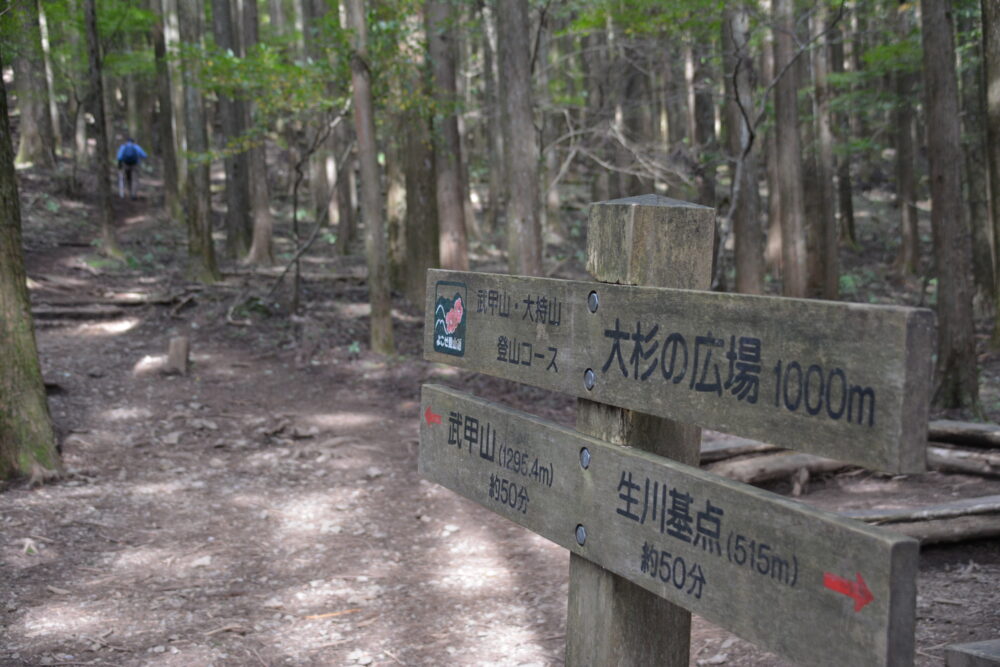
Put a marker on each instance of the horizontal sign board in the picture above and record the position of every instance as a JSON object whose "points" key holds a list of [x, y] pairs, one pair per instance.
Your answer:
{"points": [[806, 584], [842, 380]]}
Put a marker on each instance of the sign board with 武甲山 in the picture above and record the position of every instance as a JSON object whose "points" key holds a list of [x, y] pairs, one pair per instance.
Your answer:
{"points": [[842, 380], [804, 583]]}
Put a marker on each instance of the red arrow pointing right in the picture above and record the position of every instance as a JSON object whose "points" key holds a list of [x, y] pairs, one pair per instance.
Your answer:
{"points": [[857, 590], [431, 417]]}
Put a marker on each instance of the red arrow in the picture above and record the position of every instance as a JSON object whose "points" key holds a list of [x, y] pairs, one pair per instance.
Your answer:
{"points": [[431, 417], [857, 590]]}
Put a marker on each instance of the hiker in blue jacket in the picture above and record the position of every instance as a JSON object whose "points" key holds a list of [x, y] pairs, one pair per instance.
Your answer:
{"points": [[129, 155]]}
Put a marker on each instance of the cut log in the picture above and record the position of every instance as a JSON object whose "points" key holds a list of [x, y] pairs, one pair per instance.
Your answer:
{"points": [[948, 459], [729, 448], [958, 521], [964, 433], [964, 507], [92, 312], [769, 467], [958, 529], [178, 357]]}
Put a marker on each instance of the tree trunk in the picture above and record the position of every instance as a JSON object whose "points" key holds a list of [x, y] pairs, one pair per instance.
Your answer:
{"points": [[37, 142], [171, 35], [201, 252], [261, 251], [421, 226], [440, 19], [109, 243], [826, 169], [789, 154], [991, 66], [956, 363], [524, 237], [745, 198], [238, 229], [973, 105], [908, 259], [346, 219], [491, 105], [371, 199], [845, 197], [772, 249], [27, 441], [53, 110], [704, 127], [165, 125]]}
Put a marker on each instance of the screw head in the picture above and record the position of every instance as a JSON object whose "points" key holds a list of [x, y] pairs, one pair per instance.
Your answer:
{"points": [[593, 302], [581, 534], [589, 379], [585, 458]]}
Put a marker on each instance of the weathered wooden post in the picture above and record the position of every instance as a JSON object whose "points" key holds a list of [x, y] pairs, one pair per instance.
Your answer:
{"points": [[656, 242]]}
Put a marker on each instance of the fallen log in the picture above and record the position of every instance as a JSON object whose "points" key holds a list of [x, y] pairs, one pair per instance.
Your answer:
{"points": [[958, 521], [964, 433], [93, 312], [948, 459], [729, 448], [769, 467]]}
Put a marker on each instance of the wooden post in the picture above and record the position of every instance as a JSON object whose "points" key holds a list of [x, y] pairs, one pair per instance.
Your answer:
{"points": [[659, 242]]}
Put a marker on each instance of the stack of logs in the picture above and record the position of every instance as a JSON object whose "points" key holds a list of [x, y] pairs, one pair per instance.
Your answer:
{"points": [[953, 447]]}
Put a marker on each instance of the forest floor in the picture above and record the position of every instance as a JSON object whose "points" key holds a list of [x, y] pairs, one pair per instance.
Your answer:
{"points": [[266, 508]]}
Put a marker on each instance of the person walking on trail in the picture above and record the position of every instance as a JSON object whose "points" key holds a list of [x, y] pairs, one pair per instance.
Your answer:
{"points": [[129, 155]]}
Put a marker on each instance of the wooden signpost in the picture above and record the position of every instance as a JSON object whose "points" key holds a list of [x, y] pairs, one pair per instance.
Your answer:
{"points": [[653, 539]]}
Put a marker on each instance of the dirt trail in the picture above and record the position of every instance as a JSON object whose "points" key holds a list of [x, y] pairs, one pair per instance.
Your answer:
{"points": [[266, 509]]}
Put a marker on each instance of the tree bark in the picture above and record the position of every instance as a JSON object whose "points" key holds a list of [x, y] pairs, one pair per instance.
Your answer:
{"points": [[973, 106], [908, 259], [772, 250], [789, 155], [201, 251], [109, 243], [491, 105], [826, 168], [261, 250], [845, 197], [957, 381], [27, 440], [454, 251], [53, 107], [37, 143], [991, 66], [745, 198], [421, 225], [371, 199], [239, 232], [524, 237], [165, 125]]}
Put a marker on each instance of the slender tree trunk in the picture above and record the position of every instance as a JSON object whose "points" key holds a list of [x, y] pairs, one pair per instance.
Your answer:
{"points": [[50, 86], [826, 169], [491, 104], [346, 219], [673, 70], [261, 250], [239, 231], [36, 143], [171, 35], [165, 125], [595, 65], [845, 197], [447, 149], [109, 243], [789, 155], [371, 199], [201, 252], [957, 375], [973, 104], [745, 199], [421, 227], [991, 67], [908, 259], [524, 237], [27, 440], [704, 127], [773, 248]]}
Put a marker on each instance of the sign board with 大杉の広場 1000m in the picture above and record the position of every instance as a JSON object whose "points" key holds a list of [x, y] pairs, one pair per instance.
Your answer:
{"points": [[842, 380], [804, 583]]}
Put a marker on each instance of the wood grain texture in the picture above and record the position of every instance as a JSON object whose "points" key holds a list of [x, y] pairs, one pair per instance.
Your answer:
{"points": [[846, 381], [775, 598]]}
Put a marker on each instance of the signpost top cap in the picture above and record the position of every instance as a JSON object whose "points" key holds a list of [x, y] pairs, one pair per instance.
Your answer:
{"points": [[649, 200]]}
